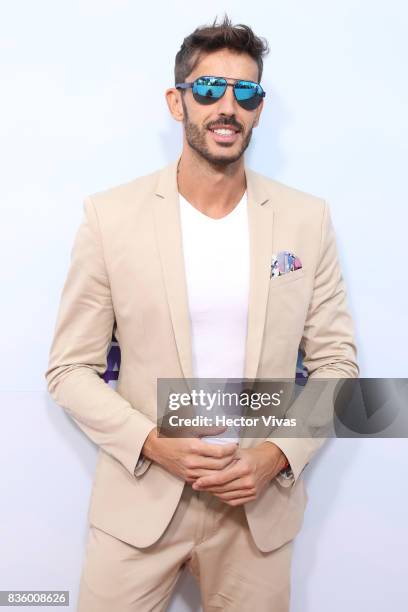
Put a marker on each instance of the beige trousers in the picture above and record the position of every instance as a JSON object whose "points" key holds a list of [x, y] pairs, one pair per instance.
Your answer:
{"points": [[206, 535]]}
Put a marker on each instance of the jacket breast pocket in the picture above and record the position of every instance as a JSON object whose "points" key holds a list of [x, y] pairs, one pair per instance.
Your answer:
{"points": [[289, 277], [288, 303]]}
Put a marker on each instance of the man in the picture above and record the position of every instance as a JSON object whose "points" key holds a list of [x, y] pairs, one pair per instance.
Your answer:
{"points": [[185, 267]]}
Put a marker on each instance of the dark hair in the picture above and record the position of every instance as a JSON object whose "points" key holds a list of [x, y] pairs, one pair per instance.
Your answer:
{"points": [[206, 38]]}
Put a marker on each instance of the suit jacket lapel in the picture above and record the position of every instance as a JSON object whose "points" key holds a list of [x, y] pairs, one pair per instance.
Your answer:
{"points": [[169, 239], [260, 222]]}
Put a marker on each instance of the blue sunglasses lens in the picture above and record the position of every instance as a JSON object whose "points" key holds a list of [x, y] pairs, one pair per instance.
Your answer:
{"points": [[248, 94], [207, 90]]}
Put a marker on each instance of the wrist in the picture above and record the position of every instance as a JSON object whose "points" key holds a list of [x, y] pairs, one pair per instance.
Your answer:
{"points": [[150, 444], [280, 461]]}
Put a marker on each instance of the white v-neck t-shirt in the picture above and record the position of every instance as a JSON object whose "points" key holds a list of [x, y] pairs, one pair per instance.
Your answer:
{"points": [[216, 258]]}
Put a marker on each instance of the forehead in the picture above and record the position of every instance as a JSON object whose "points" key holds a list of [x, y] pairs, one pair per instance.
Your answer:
{"points": [[227, 63]]}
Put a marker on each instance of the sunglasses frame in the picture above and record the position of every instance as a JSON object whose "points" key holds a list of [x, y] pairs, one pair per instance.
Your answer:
{"points": [[227, 84]]}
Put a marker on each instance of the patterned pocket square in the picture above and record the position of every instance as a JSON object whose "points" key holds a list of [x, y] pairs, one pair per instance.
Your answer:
{"points": [[284, 262]]}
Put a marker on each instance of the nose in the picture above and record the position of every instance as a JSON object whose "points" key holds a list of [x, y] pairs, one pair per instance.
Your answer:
{"points": [[227, 105]]}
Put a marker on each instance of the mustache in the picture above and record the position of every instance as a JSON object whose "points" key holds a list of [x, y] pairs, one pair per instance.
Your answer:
{"points": [[225, 121]]}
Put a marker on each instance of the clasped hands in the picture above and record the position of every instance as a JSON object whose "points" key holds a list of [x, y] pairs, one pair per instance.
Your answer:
{"points": [[234, 475]]}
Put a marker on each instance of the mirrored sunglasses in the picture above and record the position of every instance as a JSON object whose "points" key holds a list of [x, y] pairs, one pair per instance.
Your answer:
{"points": [[209, 89]]}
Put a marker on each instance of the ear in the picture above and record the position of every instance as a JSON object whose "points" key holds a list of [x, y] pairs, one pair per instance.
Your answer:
{"points": [[173, 99]]}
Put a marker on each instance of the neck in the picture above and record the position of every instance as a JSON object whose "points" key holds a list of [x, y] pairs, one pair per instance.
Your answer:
{"points": [[213, 190]]}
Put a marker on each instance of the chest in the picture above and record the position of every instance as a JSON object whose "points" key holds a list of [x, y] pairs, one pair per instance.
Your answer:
{"points": [[216, 260]]}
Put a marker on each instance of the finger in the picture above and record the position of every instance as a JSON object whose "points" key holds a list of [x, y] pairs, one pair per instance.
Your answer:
{"points": [[207, 449], [188, 431], [200, 472], [222, 477], [235, 485], [239, 494], [209, 430], [196, 474], [210, 464]]}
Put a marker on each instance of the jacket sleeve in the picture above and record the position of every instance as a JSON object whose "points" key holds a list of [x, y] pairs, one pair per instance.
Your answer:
{"points": [[78, 354], [327, 345]]}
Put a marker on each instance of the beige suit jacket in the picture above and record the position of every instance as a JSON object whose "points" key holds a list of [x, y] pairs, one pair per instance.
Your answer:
{"points": [[127, 276]]}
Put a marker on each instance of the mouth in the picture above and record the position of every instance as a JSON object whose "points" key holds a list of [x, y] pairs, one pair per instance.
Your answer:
{"points": [[228, 134]]}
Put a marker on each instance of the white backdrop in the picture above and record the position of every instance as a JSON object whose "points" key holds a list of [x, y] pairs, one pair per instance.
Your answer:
{"points": [[72, 123]]}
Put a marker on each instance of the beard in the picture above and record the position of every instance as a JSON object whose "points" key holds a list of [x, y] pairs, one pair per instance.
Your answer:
{"points": [[196, 138]]}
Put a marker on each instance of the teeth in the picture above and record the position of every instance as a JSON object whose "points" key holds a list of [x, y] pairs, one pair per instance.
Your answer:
{"points": [[224, 132]]}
